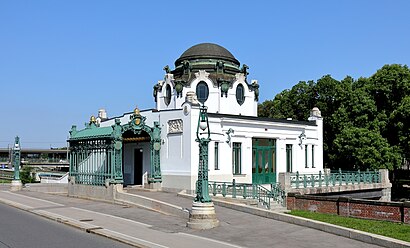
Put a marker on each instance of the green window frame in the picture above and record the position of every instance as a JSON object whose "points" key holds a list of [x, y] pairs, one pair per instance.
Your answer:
{"points": [[313, 156], [216, 156], [289, 158], [306, 156], [236, 158]]}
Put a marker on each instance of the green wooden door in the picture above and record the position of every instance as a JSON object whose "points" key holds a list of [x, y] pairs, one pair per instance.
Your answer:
{"points": [[263, 161]]}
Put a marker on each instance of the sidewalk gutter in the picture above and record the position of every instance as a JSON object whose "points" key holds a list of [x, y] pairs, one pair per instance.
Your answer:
{"points": [[366, 237]]}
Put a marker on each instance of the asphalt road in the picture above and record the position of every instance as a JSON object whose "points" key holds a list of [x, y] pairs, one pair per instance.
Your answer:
{"points": [[21, 229]]}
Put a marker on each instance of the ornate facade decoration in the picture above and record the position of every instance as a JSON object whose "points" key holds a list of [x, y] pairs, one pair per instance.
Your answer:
{"points": [[175, 126], [202, 75]]}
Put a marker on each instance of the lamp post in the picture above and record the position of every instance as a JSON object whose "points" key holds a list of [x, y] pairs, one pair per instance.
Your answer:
{"points": [[203, 214], [16, 183], [202, 192]]}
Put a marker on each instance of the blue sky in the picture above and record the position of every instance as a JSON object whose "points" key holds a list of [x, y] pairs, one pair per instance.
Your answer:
{"points": [[60, 61]]}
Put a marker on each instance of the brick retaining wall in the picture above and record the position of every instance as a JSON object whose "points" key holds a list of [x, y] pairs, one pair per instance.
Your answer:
{"points": [[346, 206]]}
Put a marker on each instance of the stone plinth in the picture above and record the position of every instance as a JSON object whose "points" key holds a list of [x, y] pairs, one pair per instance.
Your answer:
{"points": [[202, 216], [16, 185]]}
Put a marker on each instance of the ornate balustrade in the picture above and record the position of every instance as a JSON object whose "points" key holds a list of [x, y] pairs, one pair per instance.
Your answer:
{"points": [[337, 178], [249, 191]]}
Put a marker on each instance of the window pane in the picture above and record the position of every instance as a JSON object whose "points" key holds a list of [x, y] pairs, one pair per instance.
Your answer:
{"points": [[313, 156], [236, 158], [273, 161], [266, 162], [216, 156], [167, 98], [253, 160], [306, 156], [240, 94], [202, 92], [288, 158]]}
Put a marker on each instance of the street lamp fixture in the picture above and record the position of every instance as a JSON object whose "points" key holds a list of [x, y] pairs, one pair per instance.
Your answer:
{"points": [[202, 215], [202, 192]]}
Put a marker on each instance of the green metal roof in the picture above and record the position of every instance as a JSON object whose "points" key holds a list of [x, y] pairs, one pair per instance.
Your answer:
{"points": [[92, 132]]}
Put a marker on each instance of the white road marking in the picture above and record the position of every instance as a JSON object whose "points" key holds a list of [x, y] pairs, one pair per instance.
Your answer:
{"points": [[143, 240], [212, 240], [53, 203]]}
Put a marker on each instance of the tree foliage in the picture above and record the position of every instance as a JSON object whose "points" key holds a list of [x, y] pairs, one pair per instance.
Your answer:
{"points": [[366, 121], [26, 175]]}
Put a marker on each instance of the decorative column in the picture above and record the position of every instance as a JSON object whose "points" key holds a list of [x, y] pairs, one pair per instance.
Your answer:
{"points": [[203, 214], [16, 182], [116, 164], [155, 147]]}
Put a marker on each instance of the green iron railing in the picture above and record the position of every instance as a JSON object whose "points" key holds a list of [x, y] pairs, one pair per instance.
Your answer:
{"points": [[44, 160], [249, 191], [94, 169], [334, 179], [4, 159], [6, 174], [91, 162]]}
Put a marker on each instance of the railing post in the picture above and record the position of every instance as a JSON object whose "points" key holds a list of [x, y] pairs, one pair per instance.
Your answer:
{"points": [[254, 191], [297, 179], [304, 181], [214, 189], [224, 189], [340, 176], [244, 191], [320, 178], [233, 188], [312, 180], [367, 173]]}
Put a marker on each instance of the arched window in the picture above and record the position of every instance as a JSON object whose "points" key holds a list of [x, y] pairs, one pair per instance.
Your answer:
{"points": [[167, 98], [240, 94], [202, 91]]}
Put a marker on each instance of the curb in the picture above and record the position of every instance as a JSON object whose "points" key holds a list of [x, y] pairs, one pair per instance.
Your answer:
{"points": [[366, 237]]}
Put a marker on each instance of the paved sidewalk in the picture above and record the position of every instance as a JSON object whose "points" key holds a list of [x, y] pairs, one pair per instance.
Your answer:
{"points": [[152, 229]]}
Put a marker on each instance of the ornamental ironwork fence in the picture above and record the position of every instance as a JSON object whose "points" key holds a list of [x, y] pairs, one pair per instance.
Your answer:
{"points": [[249, 191], [335, 178], [92, 161]]}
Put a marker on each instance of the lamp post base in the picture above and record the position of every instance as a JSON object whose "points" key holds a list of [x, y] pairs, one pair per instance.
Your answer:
{"points": [[202, 216], [16, 185]]}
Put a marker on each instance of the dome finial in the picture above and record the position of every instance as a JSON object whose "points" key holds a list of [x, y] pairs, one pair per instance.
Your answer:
{"points": [[92, 119], [136, 111]]}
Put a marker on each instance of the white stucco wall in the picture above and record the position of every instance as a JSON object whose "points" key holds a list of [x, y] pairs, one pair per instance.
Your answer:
{"points": [[180, 152]]}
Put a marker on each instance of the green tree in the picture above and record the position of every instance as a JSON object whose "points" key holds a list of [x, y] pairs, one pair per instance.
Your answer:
{"points": [[26, 175], [362, 149], [366, 121]]}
